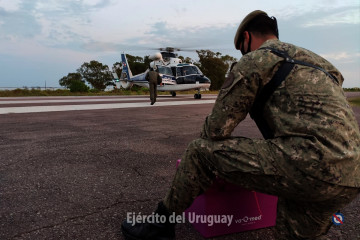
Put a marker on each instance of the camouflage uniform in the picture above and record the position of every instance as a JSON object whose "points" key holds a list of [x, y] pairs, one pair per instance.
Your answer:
{"points": [[154, 79], [313, 161]]}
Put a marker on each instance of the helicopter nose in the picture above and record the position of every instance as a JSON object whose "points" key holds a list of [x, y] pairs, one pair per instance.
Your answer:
{"points": [[203, 79]]}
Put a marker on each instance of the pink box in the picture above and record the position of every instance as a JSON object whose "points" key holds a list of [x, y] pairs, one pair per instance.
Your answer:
{"points": [[250, 210]]}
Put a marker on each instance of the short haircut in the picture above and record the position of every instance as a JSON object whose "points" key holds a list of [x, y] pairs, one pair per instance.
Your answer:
{"points": [[263, 25]]}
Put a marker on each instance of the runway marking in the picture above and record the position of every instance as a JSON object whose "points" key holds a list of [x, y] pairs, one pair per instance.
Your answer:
{"points": [[59, 108], [76, 100], [82, 99]]}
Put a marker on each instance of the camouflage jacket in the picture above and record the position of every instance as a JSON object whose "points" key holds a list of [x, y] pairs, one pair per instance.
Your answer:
{"points": [[313, 125]]}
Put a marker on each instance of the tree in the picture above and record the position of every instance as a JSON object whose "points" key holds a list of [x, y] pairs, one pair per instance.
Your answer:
{"points": [[78, 86], [213, 66], [228, 60], [97, 74], [147, 61], [71, 77], [186, 60], [117, 68], [138, 64]]}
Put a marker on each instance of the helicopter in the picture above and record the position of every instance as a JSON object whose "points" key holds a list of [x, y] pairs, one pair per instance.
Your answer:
{"points": [[176, 75]]}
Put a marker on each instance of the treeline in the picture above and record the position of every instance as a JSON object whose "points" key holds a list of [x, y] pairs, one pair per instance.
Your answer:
{"points": [[98, 76]]}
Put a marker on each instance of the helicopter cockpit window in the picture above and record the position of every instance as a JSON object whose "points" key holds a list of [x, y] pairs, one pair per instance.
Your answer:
{"points": [[188, 70], [165, 70]]}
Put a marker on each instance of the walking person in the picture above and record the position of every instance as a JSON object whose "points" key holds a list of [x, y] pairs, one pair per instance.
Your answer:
{"points": [[154, 78]]}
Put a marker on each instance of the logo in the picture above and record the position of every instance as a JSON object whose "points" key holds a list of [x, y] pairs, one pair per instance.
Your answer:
{"points": [[338, 219], [248, 220], [210, 220]]}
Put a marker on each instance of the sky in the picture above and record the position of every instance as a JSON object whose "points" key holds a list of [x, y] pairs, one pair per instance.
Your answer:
{"points": [[42, 41]]}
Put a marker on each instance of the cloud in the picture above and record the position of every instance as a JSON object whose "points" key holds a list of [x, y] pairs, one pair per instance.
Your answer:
{"points": [[18, 24], [342, 56], [349, 15], [97, 46], [96, 4], [197, 37], [161, 34], [51, 22], [10, 6]]}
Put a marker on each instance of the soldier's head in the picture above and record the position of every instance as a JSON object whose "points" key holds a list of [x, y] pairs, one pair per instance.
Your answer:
{"points": [[256, 28]]}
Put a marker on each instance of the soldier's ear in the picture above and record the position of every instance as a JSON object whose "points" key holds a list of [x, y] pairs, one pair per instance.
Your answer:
{"points": [[246, 36]]}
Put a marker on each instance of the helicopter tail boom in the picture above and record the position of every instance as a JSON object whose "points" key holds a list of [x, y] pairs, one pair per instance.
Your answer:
{"points": [[125, 68], [126, 74]]}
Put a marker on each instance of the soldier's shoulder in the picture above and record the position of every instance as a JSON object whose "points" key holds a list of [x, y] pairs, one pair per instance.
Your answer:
{"points": [[261, 59]]}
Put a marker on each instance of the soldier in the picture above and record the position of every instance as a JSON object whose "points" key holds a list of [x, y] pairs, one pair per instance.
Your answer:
{"points": [[153, 77], [311, 152]]}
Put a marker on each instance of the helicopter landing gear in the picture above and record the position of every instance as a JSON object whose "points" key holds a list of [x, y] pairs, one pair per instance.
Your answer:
{"points": [[197, 95], [173, 94]]}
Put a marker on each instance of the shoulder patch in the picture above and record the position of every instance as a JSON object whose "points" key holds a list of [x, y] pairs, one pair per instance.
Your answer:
{"points": [[228, 81]]}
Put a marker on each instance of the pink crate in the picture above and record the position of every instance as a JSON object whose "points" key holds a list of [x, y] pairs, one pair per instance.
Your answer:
{"points": [[250, 210]]}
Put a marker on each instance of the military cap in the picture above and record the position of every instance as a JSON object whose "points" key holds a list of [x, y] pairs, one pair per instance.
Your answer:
{"points": [[243, 25]]}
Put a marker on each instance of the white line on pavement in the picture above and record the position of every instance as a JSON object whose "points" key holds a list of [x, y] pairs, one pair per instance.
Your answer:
{"points": [[33, 109], [24, 101], [76, 100]]}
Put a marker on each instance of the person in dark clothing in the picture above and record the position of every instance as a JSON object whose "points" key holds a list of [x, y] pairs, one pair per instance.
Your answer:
{"points": [[154, 78]]}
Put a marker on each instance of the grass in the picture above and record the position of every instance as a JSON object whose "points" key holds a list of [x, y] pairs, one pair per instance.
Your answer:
{"points": [[356, 89], [64, 92], [355, 101]]}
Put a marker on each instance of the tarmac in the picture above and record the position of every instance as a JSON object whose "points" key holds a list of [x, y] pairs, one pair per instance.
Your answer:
{"points": [[74, 167]]}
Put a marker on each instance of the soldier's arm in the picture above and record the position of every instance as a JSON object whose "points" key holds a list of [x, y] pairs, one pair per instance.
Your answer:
{"points": [[231, 107]]}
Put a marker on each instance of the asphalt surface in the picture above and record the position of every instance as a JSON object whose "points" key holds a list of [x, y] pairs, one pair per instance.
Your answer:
{"points": [[75, 174]]}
